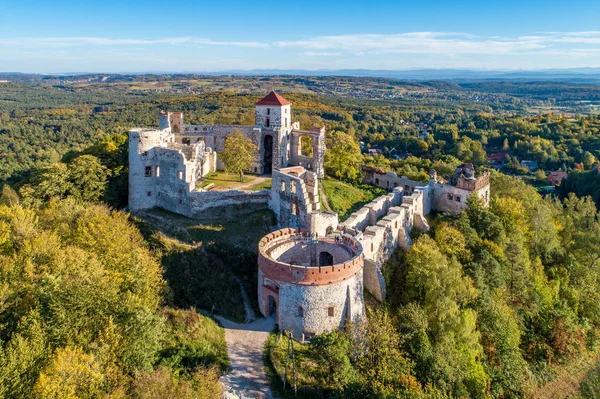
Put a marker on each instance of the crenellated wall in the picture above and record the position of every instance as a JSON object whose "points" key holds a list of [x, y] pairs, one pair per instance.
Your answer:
{"points": [[309, 299]]}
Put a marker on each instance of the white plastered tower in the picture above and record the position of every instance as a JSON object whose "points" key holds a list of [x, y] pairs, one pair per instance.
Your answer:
{"points": [[274, 115]]}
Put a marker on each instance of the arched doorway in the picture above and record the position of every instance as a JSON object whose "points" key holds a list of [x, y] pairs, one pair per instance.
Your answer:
{"points": [[325, 259], [268, 154], [272, 306]]}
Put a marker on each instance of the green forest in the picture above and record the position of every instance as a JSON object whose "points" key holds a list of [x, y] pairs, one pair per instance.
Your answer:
{"points": [[498, 302]]}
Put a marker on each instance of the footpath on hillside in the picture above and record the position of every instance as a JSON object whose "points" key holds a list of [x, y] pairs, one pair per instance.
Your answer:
{"points": [[245, 344], [246, 378]]}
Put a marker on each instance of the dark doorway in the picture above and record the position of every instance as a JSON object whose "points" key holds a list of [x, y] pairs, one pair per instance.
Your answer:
{"points": [[268, 154], [272, 306], [325, 259]]}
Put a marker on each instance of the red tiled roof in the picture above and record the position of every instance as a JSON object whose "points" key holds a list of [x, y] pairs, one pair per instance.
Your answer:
{"points": [[558, 174], [273, 99], [498, 157]]}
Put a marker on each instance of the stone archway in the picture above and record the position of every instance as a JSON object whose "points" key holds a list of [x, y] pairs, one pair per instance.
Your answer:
{"points": [[268, 154]]}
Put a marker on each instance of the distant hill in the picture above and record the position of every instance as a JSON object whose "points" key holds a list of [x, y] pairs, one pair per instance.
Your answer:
{"points": [[574, 75]]}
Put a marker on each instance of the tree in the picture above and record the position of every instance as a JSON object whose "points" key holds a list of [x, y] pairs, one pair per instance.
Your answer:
{"points": [[88, 178], [239, 153], [334, 350], [343, 157], [540, 175], [8, 196], [505, 145], [71, 374]]}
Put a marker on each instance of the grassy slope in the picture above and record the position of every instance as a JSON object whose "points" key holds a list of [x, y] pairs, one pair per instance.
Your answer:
{"points": [[204, 260], [345, 199], [193, 340]]}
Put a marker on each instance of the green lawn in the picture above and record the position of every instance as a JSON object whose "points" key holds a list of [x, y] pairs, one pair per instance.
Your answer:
{"points": [[345, 199], [225, 179], [229, 180]]}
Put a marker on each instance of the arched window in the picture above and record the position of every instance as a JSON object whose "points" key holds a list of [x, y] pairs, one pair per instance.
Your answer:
{"points": [[306, 146], [283, 186], [293, 186], [294, 209]]}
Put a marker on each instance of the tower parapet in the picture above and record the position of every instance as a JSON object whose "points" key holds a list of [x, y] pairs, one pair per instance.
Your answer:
{"points": [[311, 285]]}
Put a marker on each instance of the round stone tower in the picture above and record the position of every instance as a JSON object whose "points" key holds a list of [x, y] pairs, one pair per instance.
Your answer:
{"points": [[310, 285]]}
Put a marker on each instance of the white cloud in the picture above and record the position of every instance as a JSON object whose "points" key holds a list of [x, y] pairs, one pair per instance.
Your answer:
{"points": [[441, 43], [102, 41]]}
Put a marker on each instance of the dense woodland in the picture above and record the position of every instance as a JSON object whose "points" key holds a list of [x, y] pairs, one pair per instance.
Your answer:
{"points": [[496, 302]]}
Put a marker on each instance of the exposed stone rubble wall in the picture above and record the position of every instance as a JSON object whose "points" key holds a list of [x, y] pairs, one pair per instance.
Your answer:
{"points": [[383, 225], [295, 201]]}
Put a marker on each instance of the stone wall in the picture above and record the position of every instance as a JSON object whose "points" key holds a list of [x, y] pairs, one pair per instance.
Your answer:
{"points": [[314, 163], [382, 226]]}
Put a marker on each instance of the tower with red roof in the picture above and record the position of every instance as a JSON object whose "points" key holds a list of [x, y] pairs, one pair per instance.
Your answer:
{"points": [[274, 115]]}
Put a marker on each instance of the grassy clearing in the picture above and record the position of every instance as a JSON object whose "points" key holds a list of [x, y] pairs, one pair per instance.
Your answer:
{"points": [[345, 199], [262, 185], [226, 179], [193, 340]]}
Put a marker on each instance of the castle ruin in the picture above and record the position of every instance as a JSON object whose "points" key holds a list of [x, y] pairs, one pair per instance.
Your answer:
{"points": [[312, 271]]}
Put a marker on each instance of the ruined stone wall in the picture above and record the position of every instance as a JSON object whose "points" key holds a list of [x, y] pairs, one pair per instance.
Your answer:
{"points": [[382, 226], [314, 163], [294, 196], [450, 199], [143, 146]]}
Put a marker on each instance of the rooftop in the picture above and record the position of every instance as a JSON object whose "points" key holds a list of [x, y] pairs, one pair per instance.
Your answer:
{"points": [[273, 99]]}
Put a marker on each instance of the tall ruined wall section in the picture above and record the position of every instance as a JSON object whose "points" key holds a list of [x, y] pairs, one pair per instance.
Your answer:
{"points": [[316, 162], [296, 203]]}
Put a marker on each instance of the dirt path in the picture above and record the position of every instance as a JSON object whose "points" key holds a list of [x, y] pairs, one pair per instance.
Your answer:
{"points": [[245, 343], [324, 200], [250, 315], [254, 182]]}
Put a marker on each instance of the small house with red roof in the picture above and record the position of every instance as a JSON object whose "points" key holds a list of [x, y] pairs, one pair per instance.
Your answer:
{"points": [[554, 178]]}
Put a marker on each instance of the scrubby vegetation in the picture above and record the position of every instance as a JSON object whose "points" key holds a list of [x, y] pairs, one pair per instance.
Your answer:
{"points": [[345, 198], [82, 310]]}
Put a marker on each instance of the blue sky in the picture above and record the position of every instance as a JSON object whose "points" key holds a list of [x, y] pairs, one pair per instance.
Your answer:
{"points": [[136, 36]]}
